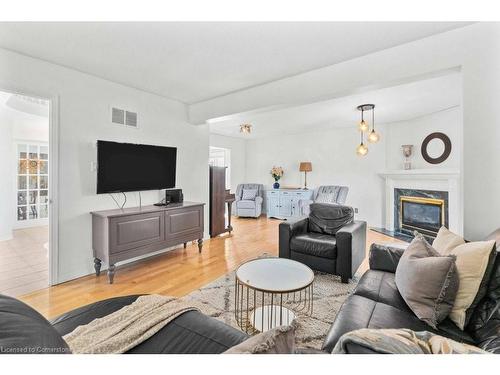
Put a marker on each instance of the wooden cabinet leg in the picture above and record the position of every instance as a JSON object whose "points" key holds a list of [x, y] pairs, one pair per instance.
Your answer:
{"points": [[111, 273], [185, 245], [200, 244], [229, 227], [97, 266]]}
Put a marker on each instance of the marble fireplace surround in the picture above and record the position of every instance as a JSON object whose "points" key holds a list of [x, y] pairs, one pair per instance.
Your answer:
{"points": [[425, 179]]}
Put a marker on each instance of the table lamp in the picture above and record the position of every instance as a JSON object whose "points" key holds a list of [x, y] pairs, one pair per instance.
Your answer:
{"points": [[305, 167]]}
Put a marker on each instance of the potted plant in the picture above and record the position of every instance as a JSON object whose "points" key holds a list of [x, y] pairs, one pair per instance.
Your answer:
{"points": [[277, 173]]}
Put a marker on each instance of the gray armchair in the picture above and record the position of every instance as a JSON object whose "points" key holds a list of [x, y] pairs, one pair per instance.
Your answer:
{"points": [[336, 194], [246, 207]]}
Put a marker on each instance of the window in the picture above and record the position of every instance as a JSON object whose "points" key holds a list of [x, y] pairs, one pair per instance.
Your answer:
{"points": [[221, 157], [32, 182]]}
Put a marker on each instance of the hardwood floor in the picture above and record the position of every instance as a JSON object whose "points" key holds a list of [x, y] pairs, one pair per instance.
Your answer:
{"points": [[177, 272]]}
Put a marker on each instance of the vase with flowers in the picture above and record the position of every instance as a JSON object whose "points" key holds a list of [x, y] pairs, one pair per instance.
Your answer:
{"points": [[277, 173]]}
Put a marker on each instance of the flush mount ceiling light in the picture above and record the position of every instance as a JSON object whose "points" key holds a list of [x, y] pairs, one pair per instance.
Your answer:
{"points": [[245, 128], [363, 127]]}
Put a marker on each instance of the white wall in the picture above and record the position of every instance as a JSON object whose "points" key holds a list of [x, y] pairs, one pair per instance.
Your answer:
{"points": [[29, 127], [238, 156], [15, 126], [84, 103], [475, 49], [413, 132], [334, 162], [6, 169]]}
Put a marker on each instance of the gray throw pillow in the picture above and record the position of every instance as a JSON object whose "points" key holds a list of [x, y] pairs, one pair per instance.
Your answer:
{"points": [[249, 194], [427, 281], [328, 218], [279, 340]]}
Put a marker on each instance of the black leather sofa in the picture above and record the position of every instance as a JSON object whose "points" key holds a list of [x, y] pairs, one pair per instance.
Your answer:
{"points": [[23, 330], [329, 240], [376, 303]]}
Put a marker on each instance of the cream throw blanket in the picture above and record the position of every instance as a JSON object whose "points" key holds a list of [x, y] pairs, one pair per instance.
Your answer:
{"points": [[127, 327], [402, 341]]}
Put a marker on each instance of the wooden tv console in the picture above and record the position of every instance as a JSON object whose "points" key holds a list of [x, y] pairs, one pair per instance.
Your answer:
{"points": [[123, 234]]}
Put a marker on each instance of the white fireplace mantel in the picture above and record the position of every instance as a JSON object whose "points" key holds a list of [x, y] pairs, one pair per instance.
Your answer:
{"points": [[425, 179], [422, 173]]}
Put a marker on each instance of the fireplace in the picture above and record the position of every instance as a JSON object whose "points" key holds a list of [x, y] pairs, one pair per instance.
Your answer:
{"points": [[424, 211]]}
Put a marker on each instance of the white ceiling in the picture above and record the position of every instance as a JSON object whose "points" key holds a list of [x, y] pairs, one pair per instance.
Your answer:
{"points": [[192, 62], [397, 103]]}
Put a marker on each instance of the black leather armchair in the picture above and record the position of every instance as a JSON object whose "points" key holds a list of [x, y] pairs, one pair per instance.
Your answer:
{"points": [[329, 240]]}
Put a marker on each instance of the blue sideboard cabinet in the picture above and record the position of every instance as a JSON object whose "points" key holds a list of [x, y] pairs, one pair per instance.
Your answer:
{"points": [[284, 203]]}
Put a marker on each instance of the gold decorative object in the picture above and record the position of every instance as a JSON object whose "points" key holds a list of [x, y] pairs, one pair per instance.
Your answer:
{"points": [[33, 166]]}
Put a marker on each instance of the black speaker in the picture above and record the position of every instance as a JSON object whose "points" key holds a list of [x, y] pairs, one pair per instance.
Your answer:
{"points": [[173, 196]]}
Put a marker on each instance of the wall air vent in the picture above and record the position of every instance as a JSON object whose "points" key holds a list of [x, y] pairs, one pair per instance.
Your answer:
{"points": [[131, 119], [123, 117]]}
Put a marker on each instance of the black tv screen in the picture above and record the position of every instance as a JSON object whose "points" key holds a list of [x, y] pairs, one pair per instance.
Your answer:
{"points": [[130, 167]]}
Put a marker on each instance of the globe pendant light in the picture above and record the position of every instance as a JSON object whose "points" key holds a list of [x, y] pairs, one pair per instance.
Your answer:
{"points": [[362, 126], [361, 150], [373, 137]]}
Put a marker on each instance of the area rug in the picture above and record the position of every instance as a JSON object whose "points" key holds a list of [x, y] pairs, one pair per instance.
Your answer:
{"points": [[217, 299]]}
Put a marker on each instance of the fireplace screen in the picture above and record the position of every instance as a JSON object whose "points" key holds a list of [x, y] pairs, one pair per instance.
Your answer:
{"points": [[425, 215]]}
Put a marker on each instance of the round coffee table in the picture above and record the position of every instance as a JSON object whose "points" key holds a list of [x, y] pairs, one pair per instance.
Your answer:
{"points": [[269, 292]]}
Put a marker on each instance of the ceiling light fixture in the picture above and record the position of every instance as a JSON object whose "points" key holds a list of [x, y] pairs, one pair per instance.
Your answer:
{"points": [[373, 137], [245, 128], [361, 150], [363, 127]]}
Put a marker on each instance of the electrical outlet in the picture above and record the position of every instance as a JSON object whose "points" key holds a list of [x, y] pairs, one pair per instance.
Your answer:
{"points": [[355, 210], [93, 166]]}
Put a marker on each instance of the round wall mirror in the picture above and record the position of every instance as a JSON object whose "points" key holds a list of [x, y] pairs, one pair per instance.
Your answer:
{"points": [[436, 148]]}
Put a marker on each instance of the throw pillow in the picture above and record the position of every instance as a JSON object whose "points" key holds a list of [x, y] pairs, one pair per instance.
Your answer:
{"points": [[249, 194], [279, 340], [472, 261], [427, 281], [445, 241]]}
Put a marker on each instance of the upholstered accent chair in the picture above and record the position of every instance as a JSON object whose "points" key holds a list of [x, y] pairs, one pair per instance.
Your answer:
{"points": [[325, 194], [246, 206], [328, 240]]}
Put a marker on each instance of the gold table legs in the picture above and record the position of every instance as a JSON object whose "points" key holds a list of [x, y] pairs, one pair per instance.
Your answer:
{"points": [[259, 311]]}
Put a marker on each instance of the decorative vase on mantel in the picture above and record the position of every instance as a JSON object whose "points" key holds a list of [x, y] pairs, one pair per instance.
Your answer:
{"points": [[407, 151], [276, 173]]}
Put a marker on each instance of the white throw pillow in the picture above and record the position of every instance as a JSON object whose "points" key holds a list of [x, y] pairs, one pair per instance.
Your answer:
{"points": [[471, 261], [446, 241], [249, 194]]}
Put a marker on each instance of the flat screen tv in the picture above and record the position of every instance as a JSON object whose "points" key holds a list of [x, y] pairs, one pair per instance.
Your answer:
{"points": [[131, 167]]}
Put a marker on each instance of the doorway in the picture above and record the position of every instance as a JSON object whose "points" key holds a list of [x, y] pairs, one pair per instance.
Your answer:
{"points": [[25, 162]]}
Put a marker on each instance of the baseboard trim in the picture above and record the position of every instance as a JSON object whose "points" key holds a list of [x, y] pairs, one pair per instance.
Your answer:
{"points": [[6, 237]]}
